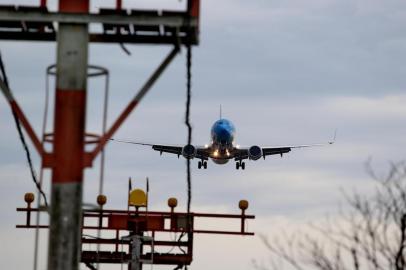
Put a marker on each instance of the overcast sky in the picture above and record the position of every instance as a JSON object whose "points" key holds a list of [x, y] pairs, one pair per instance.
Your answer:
{"points": [[286, 72]]}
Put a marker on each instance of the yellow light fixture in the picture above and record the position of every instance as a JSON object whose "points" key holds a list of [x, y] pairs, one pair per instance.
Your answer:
{"points": [[243, 204], [29, 197], [138, 198], [101, 200]]}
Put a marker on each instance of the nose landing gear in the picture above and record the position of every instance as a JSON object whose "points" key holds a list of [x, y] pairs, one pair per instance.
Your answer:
{"points": [[201, 164], [240, 164]]}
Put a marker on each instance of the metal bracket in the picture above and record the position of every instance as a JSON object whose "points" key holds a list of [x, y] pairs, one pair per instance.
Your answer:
{"points": [[171, 20]]}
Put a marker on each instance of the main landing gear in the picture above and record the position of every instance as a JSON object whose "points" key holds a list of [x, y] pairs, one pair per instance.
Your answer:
{"points": [[202, 164], [239, 165]]}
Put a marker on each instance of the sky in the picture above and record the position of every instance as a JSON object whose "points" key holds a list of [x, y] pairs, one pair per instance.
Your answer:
{"points": [[285, 72]]}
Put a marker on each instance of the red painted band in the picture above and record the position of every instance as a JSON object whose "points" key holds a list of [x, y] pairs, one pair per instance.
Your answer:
{"points": [[70, 109], [118, 4], [194, 8], [74, 6]]}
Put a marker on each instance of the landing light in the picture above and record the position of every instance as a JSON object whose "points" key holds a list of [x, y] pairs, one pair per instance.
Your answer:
{"points": [[206, 146], [237, 146], [227, 153], [216, 153]]}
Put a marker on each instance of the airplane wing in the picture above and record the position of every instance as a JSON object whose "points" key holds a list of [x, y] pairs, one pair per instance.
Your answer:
{"points": [[243, 153], [201, 152]]}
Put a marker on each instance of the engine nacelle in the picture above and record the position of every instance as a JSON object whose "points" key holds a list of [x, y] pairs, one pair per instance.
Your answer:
{"points": [[189, 151], [254, 152]]}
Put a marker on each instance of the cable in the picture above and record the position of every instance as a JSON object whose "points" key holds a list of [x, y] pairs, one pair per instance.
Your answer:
{"points": [[189, 129], [180, 238], [22, 138], [187, 123], [90, 266], [189, 137], [123, 47], [178, 246], [27, 151]]}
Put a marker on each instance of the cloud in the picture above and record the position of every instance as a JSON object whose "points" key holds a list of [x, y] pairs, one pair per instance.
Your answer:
{"points": [[286, 72], [386, 108]]}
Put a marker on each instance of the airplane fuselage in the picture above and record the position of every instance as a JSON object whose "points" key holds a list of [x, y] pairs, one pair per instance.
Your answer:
{"points": [[222, 141]]}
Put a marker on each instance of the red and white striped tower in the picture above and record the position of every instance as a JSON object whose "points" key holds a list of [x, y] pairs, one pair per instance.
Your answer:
{"points": [[69, 133]]}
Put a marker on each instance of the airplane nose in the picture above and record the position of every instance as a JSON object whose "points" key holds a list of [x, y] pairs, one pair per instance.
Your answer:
{"points": [[224, 134]]}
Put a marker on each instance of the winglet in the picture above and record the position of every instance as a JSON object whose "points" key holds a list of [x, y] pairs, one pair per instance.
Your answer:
{"points": [[334, 138]]}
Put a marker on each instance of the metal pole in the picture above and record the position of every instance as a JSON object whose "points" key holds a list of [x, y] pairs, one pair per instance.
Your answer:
{"points": [[68, 149], [136, 244], [118, 4]]}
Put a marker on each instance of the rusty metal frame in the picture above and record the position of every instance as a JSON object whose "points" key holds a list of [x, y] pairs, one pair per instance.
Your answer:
{"points": [[42, 21], [141, 218], [143, 215], [171, 20], [101, 38]]}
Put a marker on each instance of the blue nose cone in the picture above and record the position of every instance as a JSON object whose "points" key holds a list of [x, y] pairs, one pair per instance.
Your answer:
{"points": [[223, 131], [223, 134]]}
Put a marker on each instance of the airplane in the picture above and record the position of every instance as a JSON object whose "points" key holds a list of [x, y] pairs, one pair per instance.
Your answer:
{"points": [[222, 148]]}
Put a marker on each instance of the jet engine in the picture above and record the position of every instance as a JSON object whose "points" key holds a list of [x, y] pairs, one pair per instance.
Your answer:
{"points": [[189, 151], [254, 152]]}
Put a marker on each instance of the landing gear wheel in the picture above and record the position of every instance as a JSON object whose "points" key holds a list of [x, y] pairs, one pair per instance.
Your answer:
{"points": [[205, 164], [243, 165], [237, 165], [199, 165]]}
